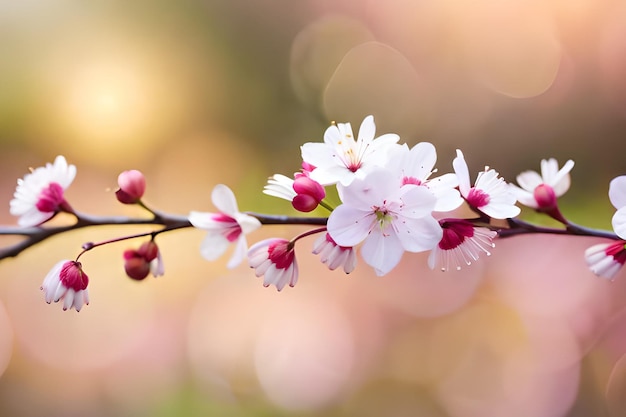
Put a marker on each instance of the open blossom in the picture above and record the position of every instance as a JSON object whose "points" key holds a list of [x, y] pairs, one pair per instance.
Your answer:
{"points": [[387, 218], [461, 244], [275, 260], [66, 281], [334, 255], [490, 194], [541, 191], [226, 227], [40, 194], [341, 159], [416, 165], [606, 259]]}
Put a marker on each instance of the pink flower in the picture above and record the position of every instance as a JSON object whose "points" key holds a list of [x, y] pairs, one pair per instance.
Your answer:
{"points": [[132, 186], [66, 281], [462, 243], [147, 259], [226, 227], [334, 255], [275, 260], [490, 194], [40, 195]]}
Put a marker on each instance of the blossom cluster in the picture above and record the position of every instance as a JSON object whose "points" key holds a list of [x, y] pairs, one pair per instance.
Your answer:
{"points": [[391, 200]]}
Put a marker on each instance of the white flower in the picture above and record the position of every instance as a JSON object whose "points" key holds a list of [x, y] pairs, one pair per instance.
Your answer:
{"points": [[275, 260], [541, 191], [226, 227], [389, 219], [416, 165], [490, 194], [606, 259], [334, 255], [39, 195], [66, 281], [341, 159], [462, 243]]}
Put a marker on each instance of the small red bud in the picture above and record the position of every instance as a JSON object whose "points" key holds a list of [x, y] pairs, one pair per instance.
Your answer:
{"points": [[137, 268]]}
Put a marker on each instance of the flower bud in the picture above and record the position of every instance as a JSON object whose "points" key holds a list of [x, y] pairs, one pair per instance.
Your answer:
{"points": [[136, 267], [132, 185], [309, 193], [545, 197]]}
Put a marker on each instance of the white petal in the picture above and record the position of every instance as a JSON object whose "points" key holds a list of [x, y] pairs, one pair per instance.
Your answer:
{"points": [[224, 199], [382, 251], [462, 172], [349, 226], [617, 192], [619, 222], [561, 181], [417, 235], [239, 254], [213, 246], [529, 180]]}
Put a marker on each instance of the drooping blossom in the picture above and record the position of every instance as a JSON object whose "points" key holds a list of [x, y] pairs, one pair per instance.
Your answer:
{"points": [[228, 226], [387, 218], [462, 243], [66, 281], [416, 165], [275, 260], [334, 255], [341, 158], [490, 194], [540, 191], [132, 185], [140, 262], [40, 194], [606, 259]]}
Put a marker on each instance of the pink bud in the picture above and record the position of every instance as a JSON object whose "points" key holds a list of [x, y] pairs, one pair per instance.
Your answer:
{"points": [[132, 185], [545, 197], [309, 193]]}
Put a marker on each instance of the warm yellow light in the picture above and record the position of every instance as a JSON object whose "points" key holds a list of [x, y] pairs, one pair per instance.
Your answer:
{"points": [[107, 102]]}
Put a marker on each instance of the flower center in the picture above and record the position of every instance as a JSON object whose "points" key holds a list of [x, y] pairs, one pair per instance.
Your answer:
{"points": [[477, 197], [50, 198], [455, 233], [281, 254], [545, 196], [411, 180], [231, 229]]}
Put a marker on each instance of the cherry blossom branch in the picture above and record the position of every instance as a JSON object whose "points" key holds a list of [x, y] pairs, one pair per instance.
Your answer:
{"points": [[390, 204], [519, 227], [35, 235]]}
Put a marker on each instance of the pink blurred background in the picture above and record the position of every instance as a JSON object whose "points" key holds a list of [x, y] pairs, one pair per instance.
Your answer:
{"points": [[197, 93]]}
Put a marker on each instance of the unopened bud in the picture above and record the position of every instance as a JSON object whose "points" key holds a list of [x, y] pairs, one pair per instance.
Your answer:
{"points": [[132, 185]]}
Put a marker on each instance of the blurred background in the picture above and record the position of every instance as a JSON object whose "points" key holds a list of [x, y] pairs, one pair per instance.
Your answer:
{"points": [[196, 93]]}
